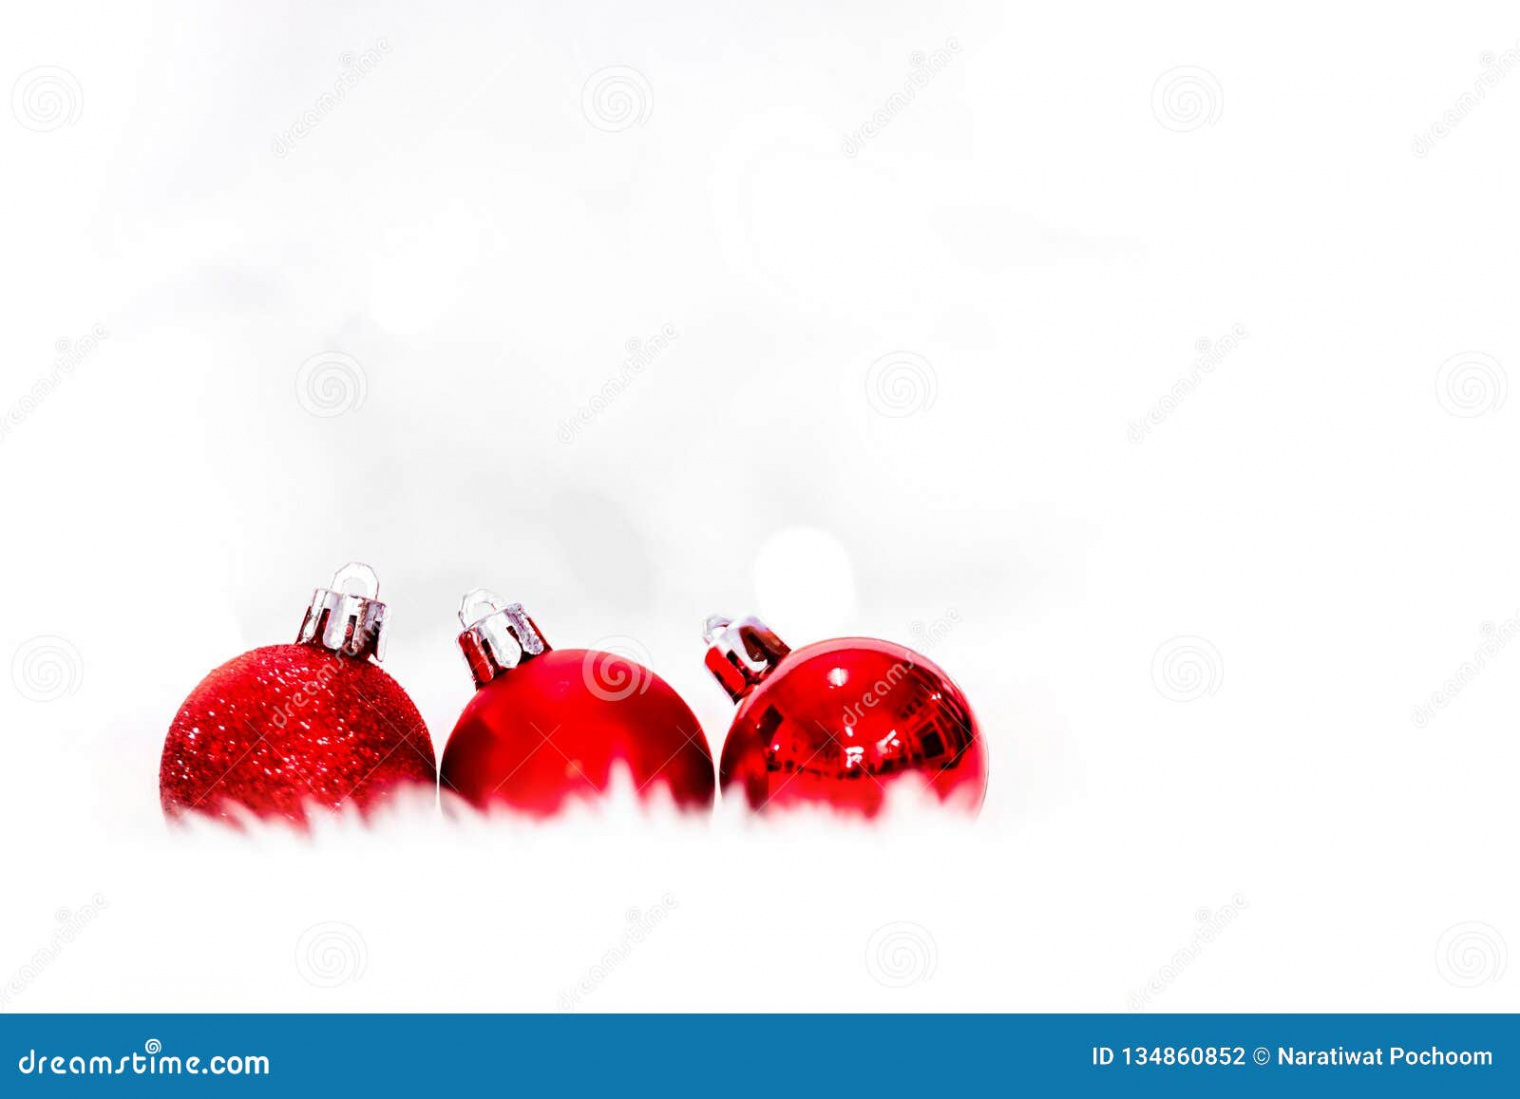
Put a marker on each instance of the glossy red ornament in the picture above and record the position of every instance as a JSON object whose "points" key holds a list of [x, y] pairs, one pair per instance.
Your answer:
{"points": [[547, 726], [840, 722], [285, 728]]}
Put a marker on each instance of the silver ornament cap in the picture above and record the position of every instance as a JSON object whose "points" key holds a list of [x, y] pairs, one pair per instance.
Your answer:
{"points": [[348, 617], [741, 653], [497, 637]]}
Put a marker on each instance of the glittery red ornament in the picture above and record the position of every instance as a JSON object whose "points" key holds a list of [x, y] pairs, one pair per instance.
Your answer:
{"points": [[547, 726], [287, 727], [840, 722]]}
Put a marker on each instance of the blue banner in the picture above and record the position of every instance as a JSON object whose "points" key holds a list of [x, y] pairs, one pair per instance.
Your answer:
{"points": [[774, 1056]]}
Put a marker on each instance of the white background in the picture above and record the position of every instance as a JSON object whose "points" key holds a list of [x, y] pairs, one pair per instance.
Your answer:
{"points": [[1032, 251]]}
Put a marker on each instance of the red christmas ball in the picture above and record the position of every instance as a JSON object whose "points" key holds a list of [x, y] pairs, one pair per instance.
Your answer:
{"points": [[841, 722], [287, 727], [548, 726]]}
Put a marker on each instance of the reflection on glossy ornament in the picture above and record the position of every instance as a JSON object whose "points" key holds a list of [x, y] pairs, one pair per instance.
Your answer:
{"points": [[548, 726], [285, 728], [841, 722]]}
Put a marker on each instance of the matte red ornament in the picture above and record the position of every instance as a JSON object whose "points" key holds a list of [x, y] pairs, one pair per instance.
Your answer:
{"points": [[548, 726], [285, 728], [840, 722]]}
